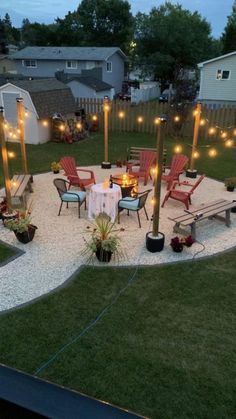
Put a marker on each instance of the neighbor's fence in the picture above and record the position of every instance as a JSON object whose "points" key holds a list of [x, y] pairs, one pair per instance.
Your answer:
{"points": [[140, 117]]}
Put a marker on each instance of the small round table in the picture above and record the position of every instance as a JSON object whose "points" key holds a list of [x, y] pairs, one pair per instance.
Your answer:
{"points": [[104, 200]]}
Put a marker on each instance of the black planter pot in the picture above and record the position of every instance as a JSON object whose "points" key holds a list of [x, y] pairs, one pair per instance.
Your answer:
{"points": [[55, 172], [103, 255], [234, 208], [178, 248], [155, 244], [26, 236], [191, 173], [230, 188]]}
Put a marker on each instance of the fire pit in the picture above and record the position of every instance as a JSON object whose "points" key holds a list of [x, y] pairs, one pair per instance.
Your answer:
{"points": [[128, 184]]}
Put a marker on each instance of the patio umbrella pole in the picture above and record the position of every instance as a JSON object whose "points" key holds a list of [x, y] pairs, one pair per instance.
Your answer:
{"points": [[21, 125], [106, 164], [191, 172], [7, 180]]}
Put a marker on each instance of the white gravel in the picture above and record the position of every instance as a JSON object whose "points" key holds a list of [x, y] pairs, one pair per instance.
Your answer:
{"points": [[55, 253]]}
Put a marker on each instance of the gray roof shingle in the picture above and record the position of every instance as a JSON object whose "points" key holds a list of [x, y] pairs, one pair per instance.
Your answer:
{"points": [[67, 53], [96, 84], [49, 96]]}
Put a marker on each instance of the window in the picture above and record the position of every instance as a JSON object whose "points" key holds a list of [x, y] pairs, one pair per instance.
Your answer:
{"points": [[30, 63], [222, 74], [71, 64], [109, 66]]}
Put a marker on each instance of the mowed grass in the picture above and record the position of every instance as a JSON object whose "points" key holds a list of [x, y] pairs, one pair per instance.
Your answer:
{"points": [[5, 253], [166, 349], [91, 152]]}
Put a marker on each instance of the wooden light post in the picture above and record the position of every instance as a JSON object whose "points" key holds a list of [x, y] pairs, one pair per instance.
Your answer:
{"points": [[155, 239], [7, 181], [191, 172], [21, 125], [106, 108]]}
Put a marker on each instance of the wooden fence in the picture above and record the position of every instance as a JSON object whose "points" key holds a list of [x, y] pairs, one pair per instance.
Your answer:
{"points": [[128, 117]]}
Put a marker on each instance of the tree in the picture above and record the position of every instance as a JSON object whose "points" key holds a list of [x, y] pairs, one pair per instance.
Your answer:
{"points": [[171, 40], [37, 34], [105, 22], [229, 35]]}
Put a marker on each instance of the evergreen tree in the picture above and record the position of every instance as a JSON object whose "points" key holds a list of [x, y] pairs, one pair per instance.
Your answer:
{"points": [[229, 35]]}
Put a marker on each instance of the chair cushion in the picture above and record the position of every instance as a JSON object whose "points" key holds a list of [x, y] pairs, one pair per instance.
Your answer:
{"points": [[73, 196], [129, 203]]}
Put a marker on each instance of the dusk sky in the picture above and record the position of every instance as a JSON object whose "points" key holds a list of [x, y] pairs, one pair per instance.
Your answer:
{"points": [[44, 11]]}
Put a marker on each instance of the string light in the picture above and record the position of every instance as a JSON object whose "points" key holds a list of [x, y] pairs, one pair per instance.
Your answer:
{"points": [[229, 143], [178, 149], [157, 121], [94, 118], [154, 171], [121, 114], [26, 114], [202, 122], [177, 118], [79, 125], [212, 131], [11, 154], [223, 134], [106, 107], [196, 155], [212, 152], [45, 123], [62, 127], [140, 119]]}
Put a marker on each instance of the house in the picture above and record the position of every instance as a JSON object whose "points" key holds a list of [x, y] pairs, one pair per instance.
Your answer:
{"points": [[6, 65], [42, 99], [218, 80], [88, 84], [46, 61]]}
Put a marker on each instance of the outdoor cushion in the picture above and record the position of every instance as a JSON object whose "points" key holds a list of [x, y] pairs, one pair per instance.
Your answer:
{"points": [[73, 196], [129, 203]]}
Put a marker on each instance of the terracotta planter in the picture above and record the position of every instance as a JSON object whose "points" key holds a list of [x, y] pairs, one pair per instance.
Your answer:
{"points": [[26, 236]]}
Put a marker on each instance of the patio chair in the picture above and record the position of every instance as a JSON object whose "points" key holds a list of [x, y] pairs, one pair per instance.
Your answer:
{"points": [[72, 173], [181, 195], [178, 163], [134, 204], [69, 196], [147, 159]]}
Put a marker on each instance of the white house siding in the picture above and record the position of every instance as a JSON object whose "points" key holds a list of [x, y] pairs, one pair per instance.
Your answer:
{"points": [[80, 90], [34, 134], [218, 91]]}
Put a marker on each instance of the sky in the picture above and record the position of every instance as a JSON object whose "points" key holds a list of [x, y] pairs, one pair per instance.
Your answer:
{"points": [[45, 11]]}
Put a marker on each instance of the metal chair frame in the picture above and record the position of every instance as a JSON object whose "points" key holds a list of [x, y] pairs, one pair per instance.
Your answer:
{"points": [[63, 189], [141, 204]]}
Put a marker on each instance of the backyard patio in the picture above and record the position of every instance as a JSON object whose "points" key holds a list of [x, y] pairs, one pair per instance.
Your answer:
{"points": [[56, 254]]}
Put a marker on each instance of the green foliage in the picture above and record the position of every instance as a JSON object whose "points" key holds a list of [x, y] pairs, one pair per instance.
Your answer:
{"points": [[229, 35], [171, 39], [102, 236], [165, 350]]}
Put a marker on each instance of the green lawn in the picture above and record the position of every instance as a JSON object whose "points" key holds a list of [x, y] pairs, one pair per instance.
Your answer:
{"points": [[5, 253], [91, 151], [166, 349]]}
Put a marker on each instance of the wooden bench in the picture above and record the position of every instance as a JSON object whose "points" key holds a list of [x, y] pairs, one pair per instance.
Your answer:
{"points": [[133, 154], [20, 185], [204, 211]]}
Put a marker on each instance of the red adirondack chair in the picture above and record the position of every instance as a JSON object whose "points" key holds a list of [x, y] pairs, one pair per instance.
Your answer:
{"points": [[178, 163], [147, 159], [181, 195], [72, 173]]}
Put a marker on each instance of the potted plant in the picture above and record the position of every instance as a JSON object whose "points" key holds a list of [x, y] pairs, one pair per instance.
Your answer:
{"points": [[21, 225], [230, 185], [55, 167], [178, 243], [103, 242]]}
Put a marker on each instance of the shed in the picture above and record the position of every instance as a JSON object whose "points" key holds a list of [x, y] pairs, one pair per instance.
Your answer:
{"points": [[42, 98]]}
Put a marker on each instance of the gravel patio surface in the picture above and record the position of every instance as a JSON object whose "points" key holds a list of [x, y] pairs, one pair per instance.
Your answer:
{"points": [[56, 251]]}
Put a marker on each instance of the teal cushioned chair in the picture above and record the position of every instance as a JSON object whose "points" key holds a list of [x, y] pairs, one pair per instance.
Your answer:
{"points": [[69, 196], [134, 204]]}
